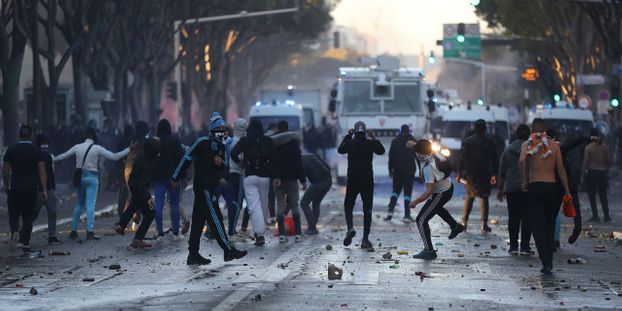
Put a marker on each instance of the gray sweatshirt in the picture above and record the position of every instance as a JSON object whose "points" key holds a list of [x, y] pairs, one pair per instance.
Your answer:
{"points": [[508, 167]]}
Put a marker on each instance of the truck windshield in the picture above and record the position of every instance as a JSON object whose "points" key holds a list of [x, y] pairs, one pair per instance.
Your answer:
{"points": [[456, 129], [406, 99], [567, 129], [356, 98], [293, 121]]}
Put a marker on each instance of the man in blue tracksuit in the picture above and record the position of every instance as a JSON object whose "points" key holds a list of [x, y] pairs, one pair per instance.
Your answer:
{"points": [[210, 172]]}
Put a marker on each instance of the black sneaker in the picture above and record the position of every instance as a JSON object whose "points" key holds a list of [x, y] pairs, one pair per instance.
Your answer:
{"points": [[426, 255], [26, 249], [513, 250], [455, 231], [260, 240], [120, 230], [312, 231], [389, 216], [365, 244], [485, 228], [73, 235], [547, 269], [349, 235], [594, 219], [527, 252], [557, 246], [54, 240], [607, 218], [185, 226], [234, 254], [197, 259], [90, 235], [574, 236]]}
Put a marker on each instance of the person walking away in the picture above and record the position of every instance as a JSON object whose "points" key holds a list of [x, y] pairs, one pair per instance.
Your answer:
{"points": [[170, 154], [478, 165], [509, 187], [51, 201], [258, 162], [288, 171], [596, 163], [439, 190], [236, 178], [126, 140], [539, 179], [87, 155], [402, 171], [141, 133], [207, 154], [144, 171], [321, 180], [360, 145], [23, 175]]}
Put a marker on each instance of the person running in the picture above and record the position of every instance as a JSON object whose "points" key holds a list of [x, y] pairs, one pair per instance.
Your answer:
{"points": [[236, 178], [119, 168], [288, 171], [539, 179], [51, 201], [509, 187], [360, 145], [88, 154], [142, 131], [439, 191], [402, 171], [23, 175], [596, 163], [144, 170], [171, 153], [258, 162], [321, 180], [208, 154], [478, 165]]}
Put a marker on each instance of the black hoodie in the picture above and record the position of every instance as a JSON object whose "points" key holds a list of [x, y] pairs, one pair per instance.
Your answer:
{"points": [[171, 154], [253, 143], [360, 151], [402, 159], [143, 168]]}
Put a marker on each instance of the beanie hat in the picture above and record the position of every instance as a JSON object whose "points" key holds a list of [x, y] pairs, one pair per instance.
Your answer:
{"points": [[216, 121]]}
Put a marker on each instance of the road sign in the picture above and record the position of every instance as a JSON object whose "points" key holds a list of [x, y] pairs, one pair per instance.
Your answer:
{"points": [[590, 79], [603, 94], [617, 69], [470, 48], [585, 102]]}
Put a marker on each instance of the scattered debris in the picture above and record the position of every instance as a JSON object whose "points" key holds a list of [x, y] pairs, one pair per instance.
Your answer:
{"points": [[93, 259], [329, 247], [494, 221], [370, 250], [460, 254], [617, 235], [387, 256], [282, 265], [402, 252], [482, 289], [58, 253], [19, 285], [344, 305], [88, 280], [492, 246], [334, 273], [600, 248], [394, 266], [438, 244], [476, 244], [257, 297], [114, 267], [422, 275], [576, 261], [33, 291]]}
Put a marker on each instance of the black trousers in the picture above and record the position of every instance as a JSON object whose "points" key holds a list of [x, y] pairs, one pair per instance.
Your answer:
{"points": [[22, 204], [544, 204], [518, 210], [135, 206], [597, 182], [400, 182], [314, 196], [434, 206], [206, 210], [363, 185]]}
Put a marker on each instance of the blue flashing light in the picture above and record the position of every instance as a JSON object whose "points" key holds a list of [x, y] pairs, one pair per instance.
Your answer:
{"points": [[290, 102], [342, 73], [548, 106]]}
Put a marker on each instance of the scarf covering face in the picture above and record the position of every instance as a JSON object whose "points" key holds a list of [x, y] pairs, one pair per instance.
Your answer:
{"points": [[539, 141]]}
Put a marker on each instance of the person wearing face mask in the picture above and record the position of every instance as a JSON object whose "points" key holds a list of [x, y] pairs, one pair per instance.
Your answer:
{"points": [[360, 150], [210, 171], [140, 184], [439, 191]]}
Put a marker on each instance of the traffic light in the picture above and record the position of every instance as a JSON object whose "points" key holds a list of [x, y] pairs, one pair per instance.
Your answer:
{"points": [[557, 97], [336, 40], [614, 102], [461, 33], [171, 90], [474, 2], [431, 58]]}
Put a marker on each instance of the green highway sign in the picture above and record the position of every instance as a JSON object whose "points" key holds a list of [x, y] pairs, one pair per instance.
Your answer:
{"points": [[470, 45]]}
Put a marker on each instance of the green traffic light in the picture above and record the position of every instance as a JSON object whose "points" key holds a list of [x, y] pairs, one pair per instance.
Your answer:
{"points": [[557, 98], [615, 103], [480, 102], [460, 38]]}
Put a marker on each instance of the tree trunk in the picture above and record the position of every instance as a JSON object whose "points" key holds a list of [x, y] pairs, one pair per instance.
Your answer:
{"points": [[10, 96], [79, 86], [117, 108], [34, 107]]}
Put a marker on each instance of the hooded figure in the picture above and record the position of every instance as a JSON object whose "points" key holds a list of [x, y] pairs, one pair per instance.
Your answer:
{"points": [[239, 131], [236, 176]]}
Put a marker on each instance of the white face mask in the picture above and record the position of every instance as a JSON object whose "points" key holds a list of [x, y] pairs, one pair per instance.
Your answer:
{"points": [[220, 135]]}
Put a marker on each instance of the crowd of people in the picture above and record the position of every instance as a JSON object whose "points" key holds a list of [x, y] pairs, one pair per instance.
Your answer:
{"points": [[266, 168]]}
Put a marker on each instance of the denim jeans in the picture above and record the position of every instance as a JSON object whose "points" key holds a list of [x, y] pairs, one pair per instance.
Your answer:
{"points": [[87, 197], [161, 188]]}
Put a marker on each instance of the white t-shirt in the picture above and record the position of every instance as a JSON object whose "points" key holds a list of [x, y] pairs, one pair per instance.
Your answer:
{"points": [[434, 176], [92, 158]]}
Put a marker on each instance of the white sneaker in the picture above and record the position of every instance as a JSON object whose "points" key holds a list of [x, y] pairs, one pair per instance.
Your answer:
{"points": [[160, 238], [14, 241], [282, 239], [178, 237], [298, 239]]}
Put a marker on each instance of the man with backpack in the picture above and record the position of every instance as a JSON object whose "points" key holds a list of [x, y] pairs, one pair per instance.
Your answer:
{"points": [[439, 190], [402, 171], [210, 171], [360, 150], [258, 153]]}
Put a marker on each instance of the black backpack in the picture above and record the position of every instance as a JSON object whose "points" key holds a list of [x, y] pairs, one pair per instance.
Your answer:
{"points": [[256, 156], [444, 165]]}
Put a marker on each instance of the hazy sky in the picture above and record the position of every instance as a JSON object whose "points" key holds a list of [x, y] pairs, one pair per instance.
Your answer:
{"points": [[403, 26]]}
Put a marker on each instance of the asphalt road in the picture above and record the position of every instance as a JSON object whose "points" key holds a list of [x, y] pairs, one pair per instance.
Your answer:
{"points": [[294, 275]]}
